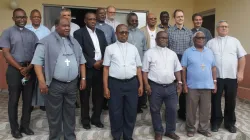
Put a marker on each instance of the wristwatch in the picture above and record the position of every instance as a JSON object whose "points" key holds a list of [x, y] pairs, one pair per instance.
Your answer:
{"points": [[83, 78], [215, 81], [180, 82]]}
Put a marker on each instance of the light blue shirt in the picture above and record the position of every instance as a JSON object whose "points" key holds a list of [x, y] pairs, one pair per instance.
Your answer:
{"points": [[199, 68], [40, 32]]}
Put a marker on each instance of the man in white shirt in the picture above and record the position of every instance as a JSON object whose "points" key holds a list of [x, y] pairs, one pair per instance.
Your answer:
{"points": [[161, 67], [122, 81], [110, 20], [230, 63], [65, 12]]}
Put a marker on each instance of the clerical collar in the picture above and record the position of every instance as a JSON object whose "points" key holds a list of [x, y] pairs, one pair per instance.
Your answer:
{"points": [[131, 28], [222, 37], [163, 48], [100, 23], [120, 43]]}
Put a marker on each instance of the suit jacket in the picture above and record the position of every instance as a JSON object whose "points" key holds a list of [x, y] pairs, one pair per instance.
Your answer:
{"points": [[83, 37], [145, 31]]}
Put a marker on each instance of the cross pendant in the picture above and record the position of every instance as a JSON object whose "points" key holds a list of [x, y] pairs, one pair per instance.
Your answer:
{"points": [[67, 62], [203, 66]]}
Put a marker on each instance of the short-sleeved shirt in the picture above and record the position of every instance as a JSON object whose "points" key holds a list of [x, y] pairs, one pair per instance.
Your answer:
{"points": [[73, 28], [108, 31], [161, 64], [199, 68], [66, 68], [40, 32], [179, 39], [21, 42], [227, 50], [205, 31], [138, 39], [122, 59]]}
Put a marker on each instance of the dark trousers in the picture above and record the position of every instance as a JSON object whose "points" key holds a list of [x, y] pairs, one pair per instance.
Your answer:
{"points": [[142, 100], [168, 95], [94, 82], [182, 100], [60, 109], [229, 86], [123, 107], [15, 87]]}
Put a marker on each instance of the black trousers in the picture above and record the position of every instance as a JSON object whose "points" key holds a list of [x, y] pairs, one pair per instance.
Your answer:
{"points": [[15, 87], [182, 100], [229, 86], [123, 107], [94, 82]]}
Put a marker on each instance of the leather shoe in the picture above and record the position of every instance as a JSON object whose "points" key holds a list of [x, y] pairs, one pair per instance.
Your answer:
{"points": [[105, 107], [139, 110], [26, 131], [100, 125], [16, 134], [43, 108], [214, 128], [231, 129], [172, 136], [86, 126], [158, 136]]}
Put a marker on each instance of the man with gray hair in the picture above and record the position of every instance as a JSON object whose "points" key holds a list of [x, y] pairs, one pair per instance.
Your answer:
{"points": [[230, 63], [199, 78], [110, 20]]}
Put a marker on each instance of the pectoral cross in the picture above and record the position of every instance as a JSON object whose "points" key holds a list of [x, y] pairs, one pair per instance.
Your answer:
{"points": [[67, 61], [203, 67]]}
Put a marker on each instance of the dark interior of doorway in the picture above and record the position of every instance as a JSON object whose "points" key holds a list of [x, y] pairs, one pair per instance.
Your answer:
{"points": [[79, 15], [209, 23]]}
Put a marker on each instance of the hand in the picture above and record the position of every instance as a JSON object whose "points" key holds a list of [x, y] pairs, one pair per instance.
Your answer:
{"points": [[148, 89], [185, 90], [179, 88], [215, 88], [43, 88], [106, 93], [98, 64], [140, 91], [239, 77], [24, 71], [82, 84]]}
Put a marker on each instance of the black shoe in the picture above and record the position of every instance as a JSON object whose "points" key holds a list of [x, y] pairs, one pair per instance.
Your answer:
{"points": [[144, 106], [86, 126], [26, 131], [31, 108], [214, 128], [100, 125], [182, 117], [231, 129], [105, 107], [43, 108], [139, 110], [16, 134], [77, 105]]}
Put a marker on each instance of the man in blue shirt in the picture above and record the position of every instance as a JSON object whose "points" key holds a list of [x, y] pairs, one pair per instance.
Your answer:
{"points": [[199, 78]]}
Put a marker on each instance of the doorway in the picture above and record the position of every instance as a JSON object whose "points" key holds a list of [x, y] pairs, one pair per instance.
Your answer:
{"points": [[209, 20]]}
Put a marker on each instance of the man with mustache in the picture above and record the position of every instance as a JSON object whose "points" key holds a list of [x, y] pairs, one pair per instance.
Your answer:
{"points": [[93, 43], [164, 17], [110, 20], [18, 45]]}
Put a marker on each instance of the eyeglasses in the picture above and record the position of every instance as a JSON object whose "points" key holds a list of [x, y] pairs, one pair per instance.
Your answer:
{"points": [[123, 33], [111, 12], [161, 38], [152, 18], [200, 38], [223, 27], [134, 20], [20, 17]]}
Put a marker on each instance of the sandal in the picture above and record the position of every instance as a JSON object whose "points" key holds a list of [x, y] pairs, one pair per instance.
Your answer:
{"points": [[205, 133]]}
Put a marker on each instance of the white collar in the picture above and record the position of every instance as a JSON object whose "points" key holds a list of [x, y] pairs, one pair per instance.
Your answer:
{"points": [[222, 37], [89, 30], [120, 43], [150, 30], [158, 47]]}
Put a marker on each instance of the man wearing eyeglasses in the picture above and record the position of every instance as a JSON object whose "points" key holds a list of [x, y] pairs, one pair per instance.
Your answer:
{"points": [[230, 63], [122, 81], [164, 17], [18, 44], [110, 20], [150, 30], [199, 78]]}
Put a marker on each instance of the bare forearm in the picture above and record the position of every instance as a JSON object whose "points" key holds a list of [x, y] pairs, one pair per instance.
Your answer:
{"points": [[184, 75], [145, 78], [139, 75], [241, 64], [214, 73], [39, 73], [178, 75], [105, 76], [10, 60], [83, 71]]}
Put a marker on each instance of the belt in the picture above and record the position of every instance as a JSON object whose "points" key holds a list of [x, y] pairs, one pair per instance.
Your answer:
{"points": [[163, 85], [65, 82], [123, 80]]}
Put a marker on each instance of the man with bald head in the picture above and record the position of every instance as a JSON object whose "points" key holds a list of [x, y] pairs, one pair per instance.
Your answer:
{"points": [[199, 79], [122, 78], [161, 68], [93, 43], [60, 56], [110, 20]]}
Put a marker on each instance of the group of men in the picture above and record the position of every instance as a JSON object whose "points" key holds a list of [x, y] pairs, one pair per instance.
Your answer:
{"points": [[126, 65]]}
